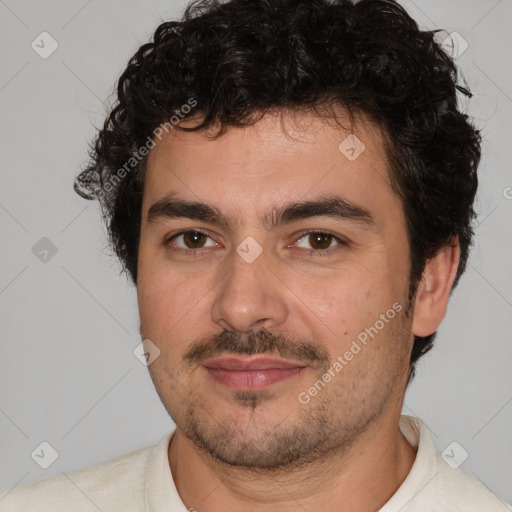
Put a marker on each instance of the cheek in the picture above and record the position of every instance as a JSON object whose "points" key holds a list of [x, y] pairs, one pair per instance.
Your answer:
{"points": [[358, 294], [158, 295], [350, 304], [171, 303], [160, 304]]}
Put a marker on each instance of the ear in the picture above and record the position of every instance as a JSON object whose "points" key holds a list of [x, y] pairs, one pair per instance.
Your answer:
{"points": [[434, 289]]}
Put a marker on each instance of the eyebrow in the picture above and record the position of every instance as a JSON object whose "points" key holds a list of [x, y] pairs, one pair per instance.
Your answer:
{"points": [[331, 206]]}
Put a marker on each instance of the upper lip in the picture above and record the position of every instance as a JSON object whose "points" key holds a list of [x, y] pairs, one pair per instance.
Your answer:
{"points": [[240, 364]]}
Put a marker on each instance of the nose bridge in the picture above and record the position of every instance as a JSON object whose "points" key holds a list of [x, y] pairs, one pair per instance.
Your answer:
{"points": [[248, 295]]}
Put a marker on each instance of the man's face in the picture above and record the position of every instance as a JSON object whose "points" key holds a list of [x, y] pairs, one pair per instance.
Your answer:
{"points": [[243, 290]]}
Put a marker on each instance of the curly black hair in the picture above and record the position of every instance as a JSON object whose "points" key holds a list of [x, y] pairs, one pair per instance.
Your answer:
{"points": [[236, 60]]}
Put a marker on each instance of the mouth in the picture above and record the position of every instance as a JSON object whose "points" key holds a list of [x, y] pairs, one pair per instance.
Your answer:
{"points": [[251, 374]]}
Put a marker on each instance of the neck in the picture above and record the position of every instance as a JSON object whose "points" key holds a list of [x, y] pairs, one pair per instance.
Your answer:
{"points": [[361, 478]]}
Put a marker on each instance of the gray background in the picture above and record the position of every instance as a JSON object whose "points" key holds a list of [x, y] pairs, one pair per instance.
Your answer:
{"points": [[68, 375]]}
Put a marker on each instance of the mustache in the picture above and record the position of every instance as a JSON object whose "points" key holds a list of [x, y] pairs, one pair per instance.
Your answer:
{"points": [[259, 342]]}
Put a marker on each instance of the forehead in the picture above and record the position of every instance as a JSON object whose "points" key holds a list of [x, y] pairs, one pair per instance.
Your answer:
{"points": [[282, 157]]}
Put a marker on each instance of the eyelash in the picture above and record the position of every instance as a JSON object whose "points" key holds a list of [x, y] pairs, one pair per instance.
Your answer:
{"points": [[315, 252]]}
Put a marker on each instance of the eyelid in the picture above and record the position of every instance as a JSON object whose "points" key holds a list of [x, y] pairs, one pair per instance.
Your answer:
{"points": [[321, 231], [185, 231]]}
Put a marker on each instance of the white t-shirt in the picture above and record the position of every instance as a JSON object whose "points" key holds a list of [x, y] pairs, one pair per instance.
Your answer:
{"points": [[142, 481]]}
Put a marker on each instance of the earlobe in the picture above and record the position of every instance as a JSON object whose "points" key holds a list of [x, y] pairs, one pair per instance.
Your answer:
{"points": [[434, 289]]}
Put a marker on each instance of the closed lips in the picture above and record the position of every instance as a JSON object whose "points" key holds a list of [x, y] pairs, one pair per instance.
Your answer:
{"points": [[235, 364]]}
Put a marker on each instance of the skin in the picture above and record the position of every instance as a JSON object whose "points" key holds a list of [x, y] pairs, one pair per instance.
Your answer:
{"points": [[266, 450]]}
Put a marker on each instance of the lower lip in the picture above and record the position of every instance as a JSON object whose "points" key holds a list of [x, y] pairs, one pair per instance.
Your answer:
{"points": [[252, 380]]}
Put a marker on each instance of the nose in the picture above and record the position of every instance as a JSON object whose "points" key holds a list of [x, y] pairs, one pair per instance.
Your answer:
{"points": [[250, 296]]}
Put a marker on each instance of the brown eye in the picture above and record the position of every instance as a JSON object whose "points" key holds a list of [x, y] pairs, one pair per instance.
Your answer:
{"points": [[194, 239], [318, 241], [191, 239]]}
